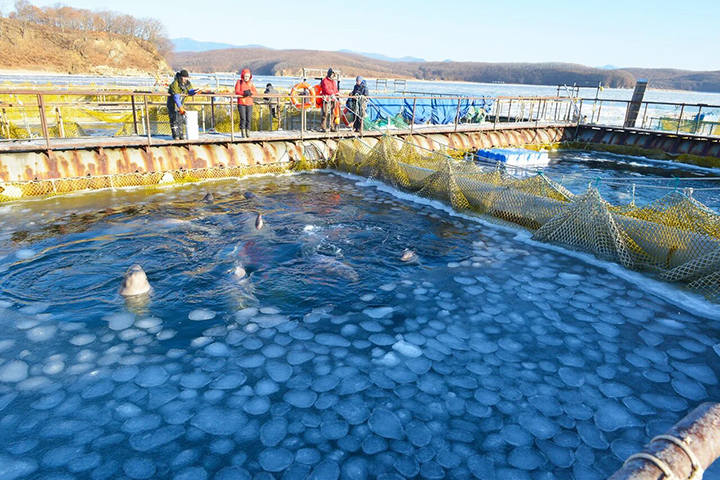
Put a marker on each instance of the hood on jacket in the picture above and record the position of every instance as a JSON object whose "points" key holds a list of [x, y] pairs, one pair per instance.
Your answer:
{"points": [[244, 71]]}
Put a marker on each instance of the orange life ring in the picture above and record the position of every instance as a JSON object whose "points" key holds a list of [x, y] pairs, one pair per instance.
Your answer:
{"points": [[318, 96], [301, 96]]}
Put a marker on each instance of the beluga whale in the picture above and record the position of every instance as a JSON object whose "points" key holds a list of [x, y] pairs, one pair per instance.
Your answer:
{"points": [[135, 282], [408, 256]]}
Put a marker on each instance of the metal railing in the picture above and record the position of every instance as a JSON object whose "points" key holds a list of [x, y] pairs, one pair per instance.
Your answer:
{"points": [[46, 117], [141, 117], [676, 118]]}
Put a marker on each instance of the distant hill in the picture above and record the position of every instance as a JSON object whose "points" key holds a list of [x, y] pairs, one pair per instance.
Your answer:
{"points": [[26, 45], [264, 61], [672, 79], [384, 58], [190, 45]]}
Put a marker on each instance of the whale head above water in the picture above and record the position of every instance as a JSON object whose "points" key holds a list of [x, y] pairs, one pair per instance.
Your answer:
{"points": [[209, 197], [408, 256], [135, 282], [259, 222]]}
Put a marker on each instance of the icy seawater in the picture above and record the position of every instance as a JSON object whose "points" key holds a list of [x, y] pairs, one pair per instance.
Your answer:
{"points": [[307, 349]]}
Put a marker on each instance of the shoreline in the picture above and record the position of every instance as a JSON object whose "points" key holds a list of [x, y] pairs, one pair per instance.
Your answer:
{"points": [[39, 73]]}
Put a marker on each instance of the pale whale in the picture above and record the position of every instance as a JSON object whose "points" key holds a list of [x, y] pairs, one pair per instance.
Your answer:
{"points": [[408, 256], [135, 282]]}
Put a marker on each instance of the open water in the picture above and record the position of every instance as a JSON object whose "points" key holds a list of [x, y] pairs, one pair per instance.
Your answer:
{"points": [[491, 356]]}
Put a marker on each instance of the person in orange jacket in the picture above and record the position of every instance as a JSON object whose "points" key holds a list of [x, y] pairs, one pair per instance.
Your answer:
{"points": [[246, 89]]}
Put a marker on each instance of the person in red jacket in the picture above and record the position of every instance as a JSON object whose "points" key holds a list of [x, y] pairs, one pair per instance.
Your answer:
{"points": [[329, 92], [246, 89]]}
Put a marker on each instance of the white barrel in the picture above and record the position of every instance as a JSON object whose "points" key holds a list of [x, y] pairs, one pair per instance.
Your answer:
{"points": [[191, 125]]}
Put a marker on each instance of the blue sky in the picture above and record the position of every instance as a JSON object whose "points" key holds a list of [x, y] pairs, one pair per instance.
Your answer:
{"points": [[659, 33]]}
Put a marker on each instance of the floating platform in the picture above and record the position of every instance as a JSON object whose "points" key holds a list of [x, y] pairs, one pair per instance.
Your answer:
{"points": [[514, 156]]}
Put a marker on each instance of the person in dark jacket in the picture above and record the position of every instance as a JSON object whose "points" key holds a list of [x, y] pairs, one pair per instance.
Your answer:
{"points": [[274, 104], [180, 87], [329, 92], [359, 94], [246, 90]]}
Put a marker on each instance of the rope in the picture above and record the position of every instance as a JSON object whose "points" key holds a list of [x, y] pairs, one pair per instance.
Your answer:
{"points": [[655, 461], [697, 469]]}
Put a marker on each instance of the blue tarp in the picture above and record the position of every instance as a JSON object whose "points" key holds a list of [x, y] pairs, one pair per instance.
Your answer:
{"points": [[437, 111]]}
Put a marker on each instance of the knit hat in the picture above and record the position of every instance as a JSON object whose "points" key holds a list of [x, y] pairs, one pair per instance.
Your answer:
{"points": [[184, 74], [359, 79]]}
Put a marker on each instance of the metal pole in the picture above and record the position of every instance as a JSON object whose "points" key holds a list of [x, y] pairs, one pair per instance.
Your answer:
{"points": [[232, 120], [497, 113], [682, 109], [212, 113], [43, 119], [686, 450], [509, 110], [135, 125], [61, 126], [599, 110], [580, 115], [412, 122], [697, 119], [532, 109], [147, 120], [457, 116], [645, 115]]}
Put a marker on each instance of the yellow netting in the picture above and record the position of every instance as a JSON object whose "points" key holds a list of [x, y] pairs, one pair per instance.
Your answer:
{"points": [[10, 191], [676, 235]]}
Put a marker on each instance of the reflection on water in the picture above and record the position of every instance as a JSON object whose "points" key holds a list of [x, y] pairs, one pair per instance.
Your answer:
{"points": [[488, 357]]}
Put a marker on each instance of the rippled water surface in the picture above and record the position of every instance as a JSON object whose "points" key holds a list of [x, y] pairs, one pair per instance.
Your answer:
{"points": [[490, 356]]}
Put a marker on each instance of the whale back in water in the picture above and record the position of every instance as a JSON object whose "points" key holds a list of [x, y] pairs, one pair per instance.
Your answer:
{"points": [[250, 195], [135, 282], [209, 197]]}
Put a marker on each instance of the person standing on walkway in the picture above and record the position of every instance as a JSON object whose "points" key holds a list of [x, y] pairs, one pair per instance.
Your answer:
{"points": [[180, 87], [246, 89], [329, 92], [274, 104], [360, 93]]}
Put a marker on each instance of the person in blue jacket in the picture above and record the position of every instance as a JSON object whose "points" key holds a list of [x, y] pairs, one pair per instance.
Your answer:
{"points": [[178, 88], [359, 94]]}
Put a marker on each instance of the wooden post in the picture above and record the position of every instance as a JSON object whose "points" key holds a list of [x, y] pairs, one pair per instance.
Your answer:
{"points": [[457, 116], [43, 119], [135, 123], [147, 120], [412, 122]]}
